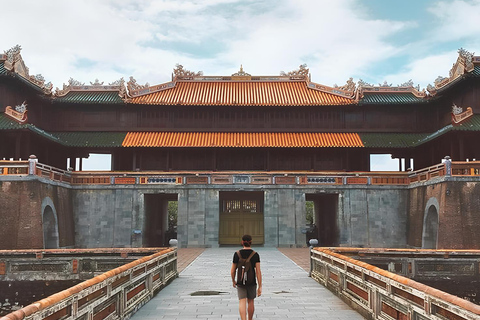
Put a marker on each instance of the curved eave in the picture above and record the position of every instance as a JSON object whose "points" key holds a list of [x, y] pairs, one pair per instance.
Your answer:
{"points": [[90, 97], [242, 93]]}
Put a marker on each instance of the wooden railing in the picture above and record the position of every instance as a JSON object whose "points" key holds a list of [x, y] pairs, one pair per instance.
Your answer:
{"points": [[457, 168], [380, 294], [115, 294]]}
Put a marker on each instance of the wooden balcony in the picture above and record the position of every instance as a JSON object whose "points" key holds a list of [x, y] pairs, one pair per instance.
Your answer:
{"points": [[327, 178]]}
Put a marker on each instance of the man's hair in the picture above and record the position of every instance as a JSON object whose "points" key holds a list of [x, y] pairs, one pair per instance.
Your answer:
{"points": [[247, 240]]}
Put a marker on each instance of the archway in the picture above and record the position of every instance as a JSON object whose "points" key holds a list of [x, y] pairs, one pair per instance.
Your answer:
{"points": [[50, 228], [430, 227]]}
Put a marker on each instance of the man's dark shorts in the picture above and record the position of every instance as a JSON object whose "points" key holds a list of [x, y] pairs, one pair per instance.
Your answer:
{"points": [[249, 292]]}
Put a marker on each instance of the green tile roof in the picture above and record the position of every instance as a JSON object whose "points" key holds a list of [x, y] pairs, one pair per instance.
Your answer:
{"points": [[390, 98], [471, 124], [91, 139], [2, 68], [108, 97], [476, 71], [392, 140], [8, 124]]}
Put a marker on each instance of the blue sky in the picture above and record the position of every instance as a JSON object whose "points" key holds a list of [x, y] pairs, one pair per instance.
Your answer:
{"points": [[372, 40]]}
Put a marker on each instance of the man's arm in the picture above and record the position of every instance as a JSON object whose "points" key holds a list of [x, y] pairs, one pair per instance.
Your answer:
{"points": [[232, 274], [259, 278]]}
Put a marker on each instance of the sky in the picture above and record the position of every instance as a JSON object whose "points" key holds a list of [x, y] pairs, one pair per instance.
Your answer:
{"points": [[376, 41]]}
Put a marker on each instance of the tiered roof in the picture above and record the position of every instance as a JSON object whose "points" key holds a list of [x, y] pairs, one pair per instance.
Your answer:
{"points": [[293, 89]]}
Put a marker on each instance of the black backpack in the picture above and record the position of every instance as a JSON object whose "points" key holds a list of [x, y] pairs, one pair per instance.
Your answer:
{"points": [[245, 273]]}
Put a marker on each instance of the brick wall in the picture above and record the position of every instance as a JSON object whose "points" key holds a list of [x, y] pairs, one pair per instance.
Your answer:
{"points": [[21, 214], [459, 214]]}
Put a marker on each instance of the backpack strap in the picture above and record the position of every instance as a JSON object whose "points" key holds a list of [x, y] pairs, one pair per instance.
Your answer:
{"points": [[250, 256], [239, 255]]}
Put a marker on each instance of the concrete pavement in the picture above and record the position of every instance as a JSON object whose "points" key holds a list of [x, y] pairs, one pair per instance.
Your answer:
{"points": [[288, 292]]}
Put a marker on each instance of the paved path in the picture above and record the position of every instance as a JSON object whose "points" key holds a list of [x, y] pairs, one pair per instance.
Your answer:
{"points": [[288, 292]]}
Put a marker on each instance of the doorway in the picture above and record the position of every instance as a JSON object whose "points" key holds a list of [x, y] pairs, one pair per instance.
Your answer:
{"points": [[325, 212], [159, 227], [50, 228], [430, 229], [241, 212]]}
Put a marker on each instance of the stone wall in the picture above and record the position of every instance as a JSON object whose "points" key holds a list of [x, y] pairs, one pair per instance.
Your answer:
{"points": [[21, 213], [373, 217]]}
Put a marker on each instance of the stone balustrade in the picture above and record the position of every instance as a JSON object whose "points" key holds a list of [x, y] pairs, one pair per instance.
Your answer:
{"points": [[380, 294], [115, 294]]}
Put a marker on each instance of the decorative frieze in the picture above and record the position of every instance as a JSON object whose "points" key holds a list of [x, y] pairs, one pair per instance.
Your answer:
{"points": [[75, 85]]}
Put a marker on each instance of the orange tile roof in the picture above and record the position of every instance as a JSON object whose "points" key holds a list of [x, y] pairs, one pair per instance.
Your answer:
{"points": [[242, 139], [242, 93]]}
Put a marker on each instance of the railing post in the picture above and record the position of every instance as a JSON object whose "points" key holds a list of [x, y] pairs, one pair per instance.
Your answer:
{"points": [[32, 164], [448, 166]]}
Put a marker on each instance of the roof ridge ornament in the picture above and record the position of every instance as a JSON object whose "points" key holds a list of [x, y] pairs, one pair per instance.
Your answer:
{"points": [[14, 63], [75, 85], [133, 85], [182, 74], [462, 66], [301, 73], [349, 86], [241, 73]]}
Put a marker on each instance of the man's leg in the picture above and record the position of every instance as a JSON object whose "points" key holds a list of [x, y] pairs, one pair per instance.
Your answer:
{"points": [[242, 308], [251, 308]]}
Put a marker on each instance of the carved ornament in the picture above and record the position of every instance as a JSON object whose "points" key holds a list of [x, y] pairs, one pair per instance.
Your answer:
{"points": [[14, 63], [458, 115], [75, 85], [349, 86], [132, 85], [301, 73], [181, 73], [19, 113], [241, 73]]}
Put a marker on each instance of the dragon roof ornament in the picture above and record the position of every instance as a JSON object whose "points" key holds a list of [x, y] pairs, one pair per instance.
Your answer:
{"points": [[182, 74], [15, 64], [301, 73]]}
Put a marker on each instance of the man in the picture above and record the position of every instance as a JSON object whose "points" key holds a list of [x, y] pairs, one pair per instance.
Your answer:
{"points": [[246, 293]]}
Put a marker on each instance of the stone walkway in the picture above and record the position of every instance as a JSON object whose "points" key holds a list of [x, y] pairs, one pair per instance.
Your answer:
{"points": [[288, 292]]}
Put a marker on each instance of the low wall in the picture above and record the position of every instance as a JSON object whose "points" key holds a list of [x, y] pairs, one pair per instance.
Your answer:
{"points": [[380, 294], [115, 294]]}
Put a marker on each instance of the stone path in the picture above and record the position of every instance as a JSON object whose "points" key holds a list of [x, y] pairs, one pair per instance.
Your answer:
{"points": [[288, 292]]}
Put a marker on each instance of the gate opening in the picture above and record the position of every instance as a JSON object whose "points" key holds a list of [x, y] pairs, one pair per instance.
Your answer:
{"points": [[325, 213], [160, 226]]}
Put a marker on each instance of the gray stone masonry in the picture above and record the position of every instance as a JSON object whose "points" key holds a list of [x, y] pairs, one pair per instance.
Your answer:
{"points": [[288, 292]]}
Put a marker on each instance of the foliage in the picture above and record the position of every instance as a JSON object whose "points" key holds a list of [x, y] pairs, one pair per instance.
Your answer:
{"points": [[309, 212], [172, 214]]}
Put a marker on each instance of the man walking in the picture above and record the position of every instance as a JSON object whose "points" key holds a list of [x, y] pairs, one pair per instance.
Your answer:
{"points": [[247, 289]]}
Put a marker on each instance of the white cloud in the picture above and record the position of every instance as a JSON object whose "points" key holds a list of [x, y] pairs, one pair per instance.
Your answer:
{"points": [[147, 38], [457, 20], [424, 71]]}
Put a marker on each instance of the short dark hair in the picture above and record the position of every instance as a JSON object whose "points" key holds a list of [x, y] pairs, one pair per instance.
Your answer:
{"points": [[247, 240]]}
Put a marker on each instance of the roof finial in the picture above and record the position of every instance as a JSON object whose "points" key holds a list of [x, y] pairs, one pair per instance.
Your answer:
{"points": [[241, 73]]}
